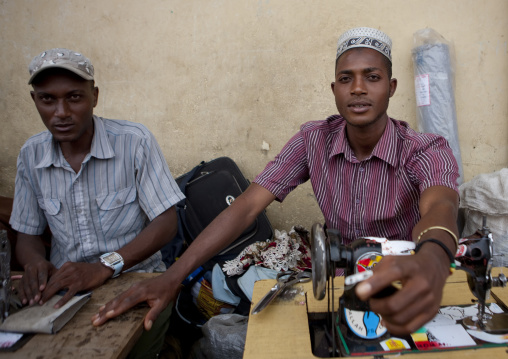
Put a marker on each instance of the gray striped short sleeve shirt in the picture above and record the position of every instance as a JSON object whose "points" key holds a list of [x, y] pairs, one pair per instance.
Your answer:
{"points": [[123, 184]]}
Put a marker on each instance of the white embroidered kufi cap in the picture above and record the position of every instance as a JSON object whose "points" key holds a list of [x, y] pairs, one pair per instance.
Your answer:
{"points": [[365, 37]]}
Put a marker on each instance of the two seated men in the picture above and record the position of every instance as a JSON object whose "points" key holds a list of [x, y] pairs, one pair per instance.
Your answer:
{"points": [[98, 182]]}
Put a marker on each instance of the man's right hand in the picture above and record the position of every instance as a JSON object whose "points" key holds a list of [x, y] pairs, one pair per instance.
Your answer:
{"points": [[34, 281], [423, 277], [74, 277]]}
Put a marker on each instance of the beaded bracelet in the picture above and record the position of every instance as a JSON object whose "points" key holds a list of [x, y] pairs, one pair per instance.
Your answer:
{"points": [[441, 228], [445, 248]]}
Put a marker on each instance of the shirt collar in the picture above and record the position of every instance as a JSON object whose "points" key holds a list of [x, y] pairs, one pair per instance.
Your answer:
{"points": [[340, 144], [52, 155], [385, 149], [101, 147]]}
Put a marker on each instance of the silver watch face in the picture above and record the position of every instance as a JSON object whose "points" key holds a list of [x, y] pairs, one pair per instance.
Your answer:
{"points": [[112, 258]]}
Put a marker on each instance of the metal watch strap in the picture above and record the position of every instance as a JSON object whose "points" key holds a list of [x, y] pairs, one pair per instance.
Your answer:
{"points": [[117, 265]]}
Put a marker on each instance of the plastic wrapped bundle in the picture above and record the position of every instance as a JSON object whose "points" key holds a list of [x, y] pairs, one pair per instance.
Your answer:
{"points": [[434, 87], [487, 195]]}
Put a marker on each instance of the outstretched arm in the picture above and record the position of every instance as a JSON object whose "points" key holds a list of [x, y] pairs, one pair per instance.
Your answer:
{"points": [[162, 290], [76, 277], [423, 275]]}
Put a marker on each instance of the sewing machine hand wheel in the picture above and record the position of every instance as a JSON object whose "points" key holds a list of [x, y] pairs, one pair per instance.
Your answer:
{"points": [[320, 260]]}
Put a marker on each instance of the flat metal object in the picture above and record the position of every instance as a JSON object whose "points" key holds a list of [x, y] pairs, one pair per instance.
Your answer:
{"points": [[284, 280]]}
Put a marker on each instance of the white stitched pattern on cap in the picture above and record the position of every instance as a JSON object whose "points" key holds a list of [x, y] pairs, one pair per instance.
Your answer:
{"points": [[365, 37]]}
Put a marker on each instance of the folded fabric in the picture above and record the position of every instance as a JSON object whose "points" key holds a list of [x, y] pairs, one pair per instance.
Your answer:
{"points": [[253, 274], [44, 318], [220, 289]]}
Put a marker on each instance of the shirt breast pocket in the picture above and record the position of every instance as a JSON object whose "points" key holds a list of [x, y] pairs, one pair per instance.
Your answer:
{"points": [[55, 215], [119, 213]]}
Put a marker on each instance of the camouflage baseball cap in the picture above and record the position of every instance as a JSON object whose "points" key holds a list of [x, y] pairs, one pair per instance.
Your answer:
{"points": [[61, 58]]}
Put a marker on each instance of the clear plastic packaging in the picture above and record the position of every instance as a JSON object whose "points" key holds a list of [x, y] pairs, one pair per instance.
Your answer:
{"points": [[433, 64]]}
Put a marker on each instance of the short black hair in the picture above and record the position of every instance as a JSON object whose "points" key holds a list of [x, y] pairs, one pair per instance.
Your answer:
{"points": [[58, 71], [386, 60]]}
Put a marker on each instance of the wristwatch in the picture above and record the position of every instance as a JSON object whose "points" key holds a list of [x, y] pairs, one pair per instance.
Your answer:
{"points": [[114, 261]]}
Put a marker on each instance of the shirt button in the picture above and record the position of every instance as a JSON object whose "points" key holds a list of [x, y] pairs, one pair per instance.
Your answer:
{"points": [[358, 200], [362, 169]]}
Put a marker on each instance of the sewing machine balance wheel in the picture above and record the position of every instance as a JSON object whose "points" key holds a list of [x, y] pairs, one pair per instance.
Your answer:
{"points": [[319, 252]]}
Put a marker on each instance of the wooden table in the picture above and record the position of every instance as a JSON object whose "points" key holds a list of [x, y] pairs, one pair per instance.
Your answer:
{"points": [[282, 329], [79, 339]]}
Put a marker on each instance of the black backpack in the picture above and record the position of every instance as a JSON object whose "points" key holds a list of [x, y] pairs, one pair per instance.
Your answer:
{"points": [[211, 187]]}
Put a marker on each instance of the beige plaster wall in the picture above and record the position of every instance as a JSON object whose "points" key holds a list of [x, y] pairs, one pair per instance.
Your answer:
{"points": [[220, 78]]}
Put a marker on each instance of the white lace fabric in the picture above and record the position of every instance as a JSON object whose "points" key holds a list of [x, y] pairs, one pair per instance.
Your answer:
{"points": [[287, 251]]}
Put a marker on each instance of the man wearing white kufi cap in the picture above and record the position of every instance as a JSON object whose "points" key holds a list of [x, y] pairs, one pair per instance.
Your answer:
{"points": [[371, 175]]}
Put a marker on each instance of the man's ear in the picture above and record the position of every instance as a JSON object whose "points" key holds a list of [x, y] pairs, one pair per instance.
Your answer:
{"points": [[333, 87], [32, 94], [95, 96], [393, 86]]}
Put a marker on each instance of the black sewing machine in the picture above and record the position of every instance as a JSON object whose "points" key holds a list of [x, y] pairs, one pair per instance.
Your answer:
{"points": [[8, 299], [5, 275], [352, 327], [475, 255]]}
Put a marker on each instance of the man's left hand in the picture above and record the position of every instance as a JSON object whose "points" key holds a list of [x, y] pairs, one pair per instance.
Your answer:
{"points": [[75, 277], [423, 277]]}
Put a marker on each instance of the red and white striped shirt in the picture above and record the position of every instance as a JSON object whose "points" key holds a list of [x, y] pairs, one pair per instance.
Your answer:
{"points": [[378, 196]]}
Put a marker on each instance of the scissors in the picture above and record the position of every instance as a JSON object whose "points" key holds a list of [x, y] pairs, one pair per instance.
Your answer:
{"points": [[284, 280]]}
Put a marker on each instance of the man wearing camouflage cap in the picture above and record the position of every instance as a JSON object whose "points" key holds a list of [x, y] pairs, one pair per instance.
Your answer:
{"points": [[371, 175], [103, 187]]}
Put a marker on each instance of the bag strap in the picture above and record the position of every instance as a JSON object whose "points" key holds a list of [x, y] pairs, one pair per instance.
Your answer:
{"points": [[176, 246], [188, 176], [180, 206]]}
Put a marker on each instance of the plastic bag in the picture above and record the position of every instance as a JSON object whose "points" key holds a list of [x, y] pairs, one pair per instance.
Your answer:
{"points": [[487, 194], [433, 64], [223, 337]]}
